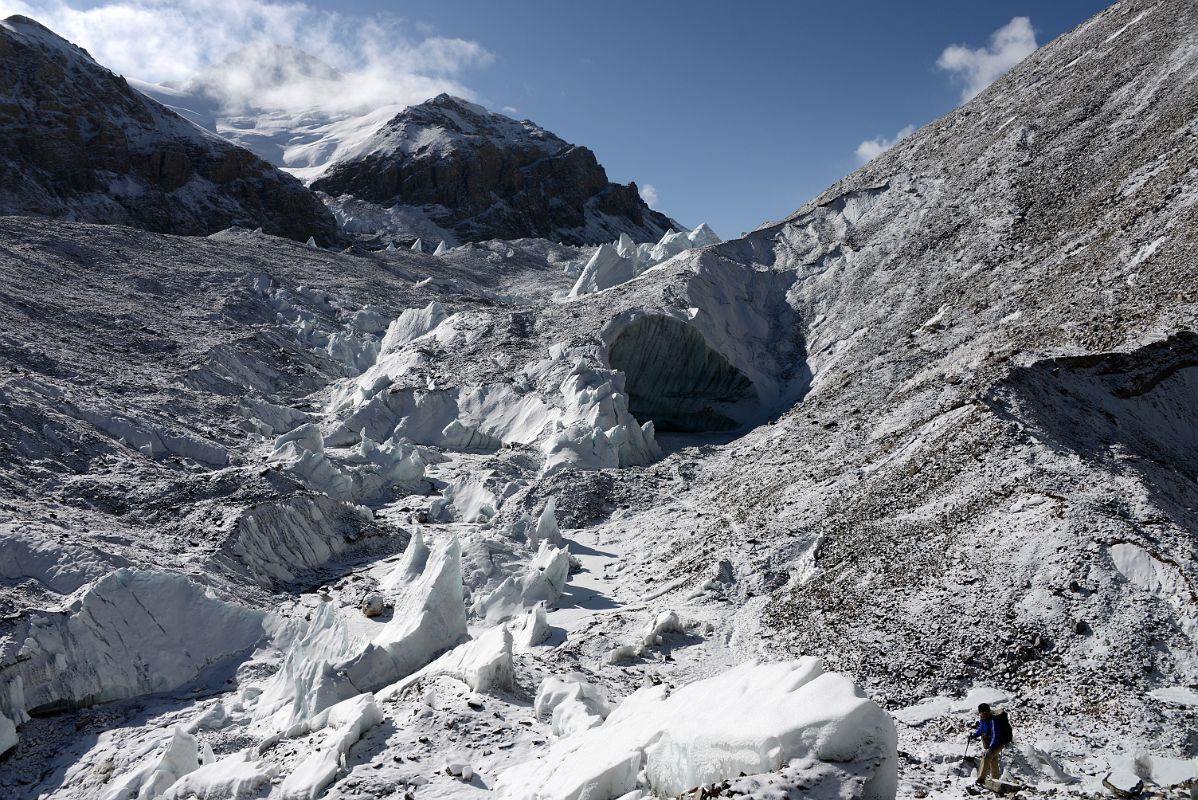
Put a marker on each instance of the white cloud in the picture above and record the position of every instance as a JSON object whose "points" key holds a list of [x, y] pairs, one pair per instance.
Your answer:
{"points": [[980, 67], [382, 58], [511, 110], [872, 148], [649, 195]]}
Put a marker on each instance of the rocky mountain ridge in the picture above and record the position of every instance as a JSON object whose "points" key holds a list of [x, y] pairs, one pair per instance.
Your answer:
{"points": [[483, 176], [80, 144]]}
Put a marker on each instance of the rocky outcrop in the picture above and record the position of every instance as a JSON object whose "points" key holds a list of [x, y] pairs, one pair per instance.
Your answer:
{"points": [[485, 176], [80, 144]]}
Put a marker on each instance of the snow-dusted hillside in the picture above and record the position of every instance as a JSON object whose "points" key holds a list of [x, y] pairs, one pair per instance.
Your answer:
{"points": [[518, 519], [78, 143]]}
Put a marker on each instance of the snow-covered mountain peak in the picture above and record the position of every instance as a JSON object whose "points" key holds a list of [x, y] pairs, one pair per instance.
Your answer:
{"points": [[481, 175], [436, 126], [33, 32], [460, 104], [332, 130]]}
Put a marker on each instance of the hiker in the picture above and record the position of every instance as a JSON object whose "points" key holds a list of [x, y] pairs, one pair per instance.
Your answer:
{"points": [[994, 738]]}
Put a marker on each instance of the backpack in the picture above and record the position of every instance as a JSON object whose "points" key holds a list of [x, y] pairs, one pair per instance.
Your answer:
{"points": [[1002, 729]]}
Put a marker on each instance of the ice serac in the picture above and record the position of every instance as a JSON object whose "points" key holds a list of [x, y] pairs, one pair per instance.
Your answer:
{"points": [[429, 618], [180, 757], [109, 154], [571, 703], [235, 777], [618, 263], [531, 629], [597, 431], [342, 725], [331, 660], [752, 719], [483, 664], [484, 176], [302, 451], [307, 683], [607, 268], [274, 543], [546, 529], [132, 632], [542, 582]]}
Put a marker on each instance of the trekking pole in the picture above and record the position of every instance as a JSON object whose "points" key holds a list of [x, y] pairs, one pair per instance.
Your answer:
{"points": [[965, 755]]}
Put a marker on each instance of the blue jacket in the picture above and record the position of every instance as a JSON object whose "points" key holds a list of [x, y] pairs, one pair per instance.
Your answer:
{"points": [[987, 731]]}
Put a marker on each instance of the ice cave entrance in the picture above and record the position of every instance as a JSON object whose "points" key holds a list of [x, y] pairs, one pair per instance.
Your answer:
{"points": [[672, 376]]}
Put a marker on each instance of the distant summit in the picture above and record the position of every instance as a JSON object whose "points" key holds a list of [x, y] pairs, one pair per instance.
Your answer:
{"points": [[80, 144], [445, 168], [483, 175]]}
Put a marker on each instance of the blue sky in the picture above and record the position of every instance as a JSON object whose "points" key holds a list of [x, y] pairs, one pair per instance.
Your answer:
{"points": [[735, 113]]}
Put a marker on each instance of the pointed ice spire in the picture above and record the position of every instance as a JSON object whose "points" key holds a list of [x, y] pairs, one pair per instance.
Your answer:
{"points": [[546, 529], [418, 246], [258, 230], [390, 247], [703, 236], [312, 242], [626, 247], [441, 249], [606, 269]]}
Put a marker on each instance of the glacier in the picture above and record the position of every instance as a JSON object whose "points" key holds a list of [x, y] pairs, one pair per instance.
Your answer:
{"points": [[683, 517]]}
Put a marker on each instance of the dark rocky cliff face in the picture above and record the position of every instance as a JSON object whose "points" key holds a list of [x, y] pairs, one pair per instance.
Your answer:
{"points": [[78, 143], [486, 176]]}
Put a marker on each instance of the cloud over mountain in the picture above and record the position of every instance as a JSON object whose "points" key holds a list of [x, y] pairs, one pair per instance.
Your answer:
{"points": [[381, 58]]}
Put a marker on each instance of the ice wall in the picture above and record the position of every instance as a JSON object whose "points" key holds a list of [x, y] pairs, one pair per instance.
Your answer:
{"points": [[132, 632], [752, 719], [675, 379]]}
